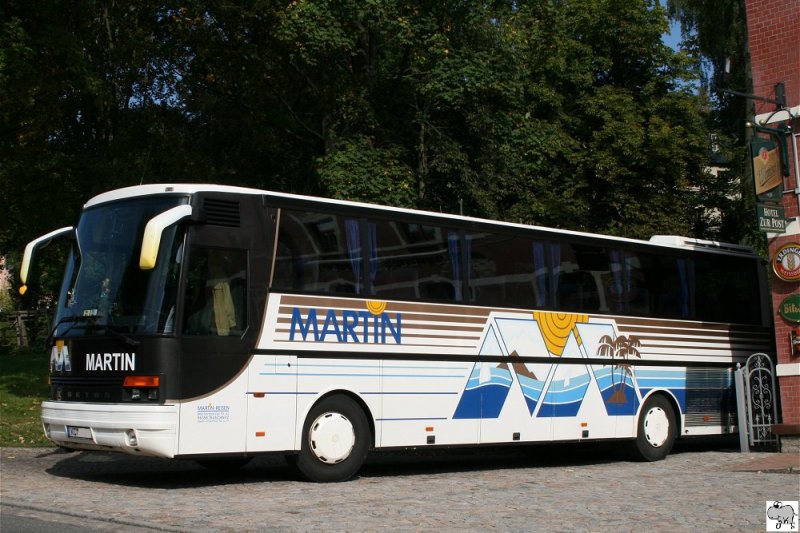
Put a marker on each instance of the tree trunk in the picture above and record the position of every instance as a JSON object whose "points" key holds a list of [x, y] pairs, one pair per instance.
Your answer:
{"points": [[422, 165]]}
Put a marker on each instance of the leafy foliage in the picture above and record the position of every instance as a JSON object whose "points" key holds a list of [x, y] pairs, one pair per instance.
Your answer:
{"points": [[564, 113], [715, 34]]}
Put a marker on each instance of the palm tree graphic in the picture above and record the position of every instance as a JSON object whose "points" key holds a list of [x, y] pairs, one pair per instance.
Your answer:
{"points": [[623, 348]]}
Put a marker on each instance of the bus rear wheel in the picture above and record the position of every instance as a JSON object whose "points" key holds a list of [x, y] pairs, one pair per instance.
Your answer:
{"points": [[335, 440], [656, 430]]}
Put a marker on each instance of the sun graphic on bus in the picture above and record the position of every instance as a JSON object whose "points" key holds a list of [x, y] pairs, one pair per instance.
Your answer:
{"points": [[375, 307], [556, 327]]}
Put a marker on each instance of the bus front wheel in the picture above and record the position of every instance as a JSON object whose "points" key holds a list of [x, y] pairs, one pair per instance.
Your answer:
{"points": [[656, 430], [335, 440]]}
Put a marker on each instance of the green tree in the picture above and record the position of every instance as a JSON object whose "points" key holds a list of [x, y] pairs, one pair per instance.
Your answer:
{"points": [[562, 113], [715, 34], [81, 109]]}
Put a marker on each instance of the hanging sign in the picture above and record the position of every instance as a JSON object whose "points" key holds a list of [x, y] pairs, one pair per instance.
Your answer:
{"points": [[771, 218], [786, 262], [766, 169], [789, 308]]}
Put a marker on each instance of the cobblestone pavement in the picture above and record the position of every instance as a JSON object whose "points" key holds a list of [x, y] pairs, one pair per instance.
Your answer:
{"points": [[543, 488]]}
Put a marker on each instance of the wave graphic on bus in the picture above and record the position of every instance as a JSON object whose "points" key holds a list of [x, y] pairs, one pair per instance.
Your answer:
{"points": [[564, 396], [485, 394]]}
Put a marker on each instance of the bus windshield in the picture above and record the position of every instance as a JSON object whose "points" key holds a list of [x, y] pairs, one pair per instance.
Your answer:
{"points": [[104, 290]]}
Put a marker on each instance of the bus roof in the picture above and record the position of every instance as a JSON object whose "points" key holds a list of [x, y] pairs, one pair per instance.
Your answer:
{"points": [[665, 241]]}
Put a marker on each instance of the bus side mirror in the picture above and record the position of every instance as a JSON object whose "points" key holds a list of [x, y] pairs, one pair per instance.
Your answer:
{"points": [[27, 255], [155, 227]]}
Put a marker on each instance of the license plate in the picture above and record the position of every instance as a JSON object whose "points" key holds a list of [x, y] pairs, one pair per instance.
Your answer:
{"points": [[75, 432]]}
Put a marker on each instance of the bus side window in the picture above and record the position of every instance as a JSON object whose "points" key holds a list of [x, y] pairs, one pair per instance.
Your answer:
{"points": [[392, 273], [582, 273], [318, 252], [288, 269], [733, 283], [506, 271], [411, 260], [216, 292], [667, 280]]}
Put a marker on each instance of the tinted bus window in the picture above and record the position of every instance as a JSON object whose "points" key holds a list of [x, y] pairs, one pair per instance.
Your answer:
{"points": [[411, 260], [507, 271], [318, 252], [582, 276], [628, 289], [660, 285], [727, 290]]}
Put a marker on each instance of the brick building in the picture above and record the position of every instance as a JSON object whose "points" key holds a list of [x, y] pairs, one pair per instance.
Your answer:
{"points": [[773, 28]]}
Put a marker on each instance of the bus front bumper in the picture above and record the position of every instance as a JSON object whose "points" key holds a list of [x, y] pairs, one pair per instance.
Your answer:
{"points": [[134, 429]]}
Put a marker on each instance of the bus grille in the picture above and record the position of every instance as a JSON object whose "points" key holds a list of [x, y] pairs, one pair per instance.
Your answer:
{"points": [[86, 390], [710, 397], [221, 212]]}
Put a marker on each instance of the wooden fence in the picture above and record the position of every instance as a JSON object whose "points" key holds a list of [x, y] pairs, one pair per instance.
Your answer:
{"points": [[25, 327]]}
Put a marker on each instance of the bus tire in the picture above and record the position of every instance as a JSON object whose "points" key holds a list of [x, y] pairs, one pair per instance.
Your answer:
{"points": [[335, 440], [656, 430]]}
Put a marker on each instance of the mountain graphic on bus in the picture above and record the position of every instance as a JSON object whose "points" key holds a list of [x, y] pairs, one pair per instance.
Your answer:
{"points": [[557, 386], [531, 385], [522, 337], [488, 385], [570, 381]]}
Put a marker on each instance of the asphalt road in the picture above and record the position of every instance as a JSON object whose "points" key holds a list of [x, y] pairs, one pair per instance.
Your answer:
{"points": [[542, 488]]}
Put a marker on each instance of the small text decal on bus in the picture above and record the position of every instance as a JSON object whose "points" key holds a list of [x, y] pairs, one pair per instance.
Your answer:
{"points": [[370, 326], [111, 361], [213, 413]]}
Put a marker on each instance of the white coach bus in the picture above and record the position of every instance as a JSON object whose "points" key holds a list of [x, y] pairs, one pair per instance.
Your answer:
{"points": [[218, 323]]}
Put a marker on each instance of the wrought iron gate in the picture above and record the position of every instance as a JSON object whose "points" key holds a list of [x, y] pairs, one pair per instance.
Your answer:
{"points": [[755, 402]]}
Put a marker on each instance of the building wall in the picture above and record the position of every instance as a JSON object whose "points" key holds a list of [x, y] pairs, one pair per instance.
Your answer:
{"points": [[773, 28]]}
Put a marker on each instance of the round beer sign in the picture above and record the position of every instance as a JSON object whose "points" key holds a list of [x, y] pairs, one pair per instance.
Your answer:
{"points": [[786, 262], [790, 308]]}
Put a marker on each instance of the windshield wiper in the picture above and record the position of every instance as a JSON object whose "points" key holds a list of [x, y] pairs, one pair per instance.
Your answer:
{"points": [[72, 320], [120, 335], [91, 321]]}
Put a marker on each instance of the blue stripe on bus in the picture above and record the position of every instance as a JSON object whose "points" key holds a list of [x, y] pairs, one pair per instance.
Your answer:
{"points": [[411, 393], [376, 367], [280, 392], [408, 419], [315, 374]]}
